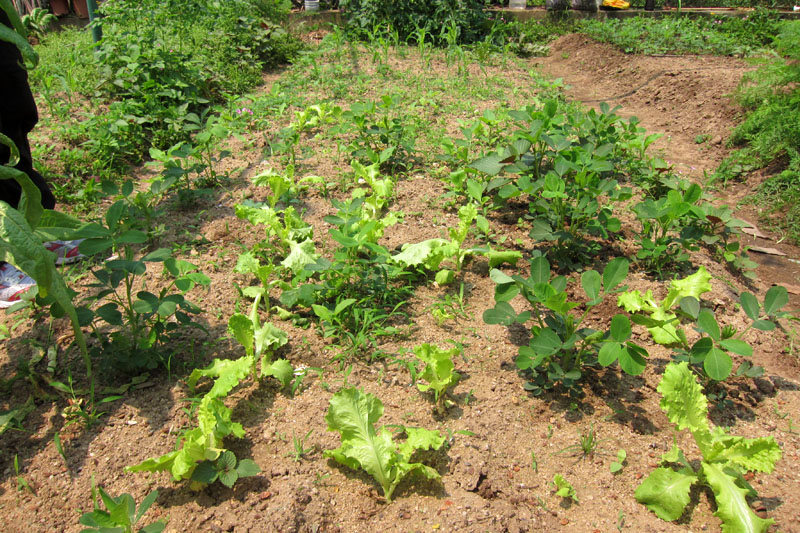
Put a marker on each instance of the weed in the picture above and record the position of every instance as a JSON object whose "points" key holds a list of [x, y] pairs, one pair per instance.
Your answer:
{"points": [[299, 447]]}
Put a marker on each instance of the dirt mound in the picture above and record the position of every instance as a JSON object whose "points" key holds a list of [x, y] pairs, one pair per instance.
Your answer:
{"points": [[686, 97]]}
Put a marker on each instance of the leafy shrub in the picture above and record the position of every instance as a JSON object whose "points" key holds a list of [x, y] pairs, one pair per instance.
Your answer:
{"points": [[437, 17], [160, 62]]}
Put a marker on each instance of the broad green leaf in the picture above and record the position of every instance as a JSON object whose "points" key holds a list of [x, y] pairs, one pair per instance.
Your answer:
{"points": [[546, 342], [590, 281], [732, 507], [695, 285], [634, 301], [759, 455], [241, 327], [615, 273], [691, 306], [620, 328], [737, 346], [666, 492], [445, 277], [502, 313], [497, 257], [428, 253], [540, 270], [420, 439], [750, 305], [631, 359], [718, 364], [248, 468], [708, 324], [227, 374], [609, 353], [281, 370], [775, 299], [300, 255], [764, 325]]}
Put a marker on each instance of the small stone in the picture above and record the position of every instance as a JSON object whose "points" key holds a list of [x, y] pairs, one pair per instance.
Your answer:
{"points": [[564, 521]]}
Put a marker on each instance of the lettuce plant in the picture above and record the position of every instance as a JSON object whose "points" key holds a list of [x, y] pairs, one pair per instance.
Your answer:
{"points": [[431, 253], [663, 325], [439, 372], [724, 460], [202, 457], [352, 413]]}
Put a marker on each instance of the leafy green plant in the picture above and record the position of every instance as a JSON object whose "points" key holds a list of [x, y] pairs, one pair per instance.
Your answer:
{"points": [[121, 515], [724, 459], [226, 469], [565, 163], [560, 347], [668, 229], [352, 414], [38, 21], [381, 135], [439, 371], [709, 355], [616, 466], [145, 322], [260, 341], [201, 457], [564, 488]]}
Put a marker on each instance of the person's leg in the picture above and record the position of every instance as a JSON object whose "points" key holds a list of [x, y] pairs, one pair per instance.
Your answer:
{"points": [[18, 116]]}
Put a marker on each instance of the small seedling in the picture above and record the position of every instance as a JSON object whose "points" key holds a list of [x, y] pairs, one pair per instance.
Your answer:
{"points": [[534, 462], [299, 447], [617, 465], [121, 516], [564, 488], [586, 447], [22, 483], [60, 448]]}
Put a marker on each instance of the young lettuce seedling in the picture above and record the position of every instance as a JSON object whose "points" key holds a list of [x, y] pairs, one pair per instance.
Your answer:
{"points": [[438, 372], [352, 413]]}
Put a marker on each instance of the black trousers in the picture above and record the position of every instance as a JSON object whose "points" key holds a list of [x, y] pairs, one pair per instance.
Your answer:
{"points": [[18, 116]]}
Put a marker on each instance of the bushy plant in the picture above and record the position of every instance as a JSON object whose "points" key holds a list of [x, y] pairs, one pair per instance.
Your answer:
{"points": [[437, 17]]}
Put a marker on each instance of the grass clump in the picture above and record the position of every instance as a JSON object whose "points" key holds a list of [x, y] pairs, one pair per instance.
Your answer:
{"points": [[770, 135], [725, 36]]}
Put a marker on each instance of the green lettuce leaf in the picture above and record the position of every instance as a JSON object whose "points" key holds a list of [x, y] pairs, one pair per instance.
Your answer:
{"points": [[666, 492], [732, 507]]}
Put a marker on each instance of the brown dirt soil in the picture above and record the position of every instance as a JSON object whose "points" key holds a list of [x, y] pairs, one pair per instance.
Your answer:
{"points": [[490, 479]]}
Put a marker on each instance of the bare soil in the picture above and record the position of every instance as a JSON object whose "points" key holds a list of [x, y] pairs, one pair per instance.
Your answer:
{"points": [[489, 482]]}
